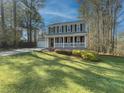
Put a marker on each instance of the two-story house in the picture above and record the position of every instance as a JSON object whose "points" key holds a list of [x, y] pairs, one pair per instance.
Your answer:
{"points": [[66, 35]]}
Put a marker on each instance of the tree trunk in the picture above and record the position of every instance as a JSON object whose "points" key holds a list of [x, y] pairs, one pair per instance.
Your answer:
{"points": [[15, 23], [3, 22]]}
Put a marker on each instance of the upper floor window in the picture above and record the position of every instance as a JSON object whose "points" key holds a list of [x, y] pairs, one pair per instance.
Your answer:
{"points": [[69, 29], [75, 28], [52, 30], [60, 29], [81, 28], [66, 29], [78, 28], [57, 29]]}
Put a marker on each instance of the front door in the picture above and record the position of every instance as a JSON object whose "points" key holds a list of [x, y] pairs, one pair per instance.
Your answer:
{"points": [[51, 42]]}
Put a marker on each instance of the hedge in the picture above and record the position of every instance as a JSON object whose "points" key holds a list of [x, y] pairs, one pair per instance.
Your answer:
{"points": [[85, 54]]}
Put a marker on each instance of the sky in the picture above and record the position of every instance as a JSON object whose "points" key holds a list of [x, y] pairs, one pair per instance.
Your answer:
{"points": [[56, 11], [121, 19]]}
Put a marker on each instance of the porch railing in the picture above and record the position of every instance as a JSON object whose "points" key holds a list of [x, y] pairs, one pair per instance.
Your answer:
{"points": [[66, 45]]}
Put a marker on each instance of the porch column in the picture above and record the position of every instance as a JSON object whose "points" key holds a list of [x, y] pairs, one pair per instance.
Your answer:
{"points": [[54, 42], [59, 42], [85, 41], [46, 42], [73, 42], [63, 42]]}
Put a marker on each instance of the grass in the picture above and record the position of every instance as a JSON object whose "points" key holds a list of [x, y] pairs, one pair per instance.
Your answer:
{"points": [[54, 73]]}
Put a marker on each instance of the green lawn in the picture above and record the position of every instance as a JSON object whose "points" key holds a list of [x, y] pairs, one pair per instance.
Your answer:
{"points": [[54, 73]]}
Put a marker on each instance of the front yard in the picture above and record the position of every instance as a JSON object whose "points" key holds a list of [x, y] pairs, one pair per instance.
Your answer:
{"points": [[54, 73]]}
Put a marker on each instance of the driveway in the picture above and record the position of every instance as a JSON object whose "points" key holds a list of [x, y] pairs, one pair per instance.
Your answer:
{"points": [[19, 51]]}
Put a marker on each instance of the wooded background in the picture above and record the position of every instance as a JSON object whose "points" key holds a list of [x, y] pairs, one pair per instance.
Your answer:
{"points": [[16, 15], [102, 18]]}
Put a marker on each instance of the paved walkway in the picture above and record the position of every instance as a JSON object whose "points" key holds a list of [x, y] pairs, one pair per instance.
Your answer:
{"points": [[19, 51]]}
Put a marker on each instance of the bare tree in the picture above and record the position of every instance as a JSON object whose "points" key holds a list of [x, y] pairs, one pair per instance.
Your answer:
{"points": [[101, 16]]}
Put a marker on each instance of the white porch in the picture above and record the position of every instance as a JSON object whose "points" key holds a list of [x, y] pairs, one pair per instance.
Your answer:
{"points": [[67, 42], [69, 45]]}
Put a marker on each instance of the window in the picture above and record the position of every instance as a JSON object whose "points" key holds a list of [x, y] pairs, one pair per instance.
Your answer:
{"points": [[53, 30], [62, 28], [69, 29], [78, 28], [81, 28], [66, 28], [57, 29], [75, 28]]}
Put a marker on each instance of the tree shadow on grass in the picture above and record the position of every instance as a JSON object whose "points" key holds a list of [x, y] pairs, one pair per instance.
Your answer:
{"points": [[91, 80], [109, 61], [32, 82], [102, 83]]}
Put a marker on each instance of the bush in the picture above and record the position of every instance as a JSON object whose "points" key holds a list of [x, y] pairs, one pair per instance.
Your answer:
{"points": [[65, 52], [85, 54], [76, 52], [89, 55]]}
